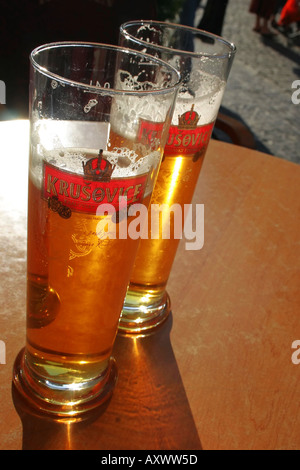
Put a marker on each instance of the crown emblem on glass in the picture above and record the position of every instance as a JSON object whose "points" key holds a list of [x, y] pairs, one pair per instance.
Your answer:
{"points": [[189, 119], [98, 169]]}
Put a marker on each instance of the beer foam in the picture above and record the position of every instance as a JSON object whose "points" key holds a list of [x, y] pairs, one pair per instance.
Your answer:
{"points": [[202, 90], [126, 162], [54, 134], [128, 111]]}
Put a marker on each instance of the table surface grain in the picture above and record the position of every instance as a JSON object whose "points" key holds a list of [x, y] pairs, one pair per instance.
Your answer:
{"points": [[219, 373]]}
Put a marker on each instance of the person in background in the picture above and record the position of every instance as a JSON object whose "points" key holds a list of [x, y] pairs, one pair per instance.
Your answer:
{"points": [[188, 12], [277, 10], [213, 17], [290, 13], [263, 10]]}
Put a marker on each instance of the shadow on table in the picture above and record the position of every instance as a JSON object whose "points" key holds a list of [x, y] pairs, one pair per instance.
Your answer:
{"points": [[148, 409]]}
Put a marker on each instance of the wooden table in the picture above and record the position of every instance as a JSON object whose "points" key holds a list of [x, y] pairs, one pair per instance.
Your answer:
{"points": [[219, 373]]}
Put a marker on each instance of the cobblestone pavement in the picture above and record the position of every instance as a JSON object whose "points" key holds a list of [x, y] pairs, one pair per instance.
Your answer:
{"points": [[259, 89]]}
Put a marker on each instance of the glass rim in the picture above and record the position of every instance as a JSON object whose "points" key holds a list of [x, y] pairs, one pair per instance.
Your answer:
{"points": [[100, 89], [222, 55]]}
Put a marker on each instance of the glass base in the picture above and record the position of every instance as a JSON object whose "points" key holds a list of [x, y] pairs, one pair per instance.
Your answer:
{"points": [[63, 400], [142, 314]]}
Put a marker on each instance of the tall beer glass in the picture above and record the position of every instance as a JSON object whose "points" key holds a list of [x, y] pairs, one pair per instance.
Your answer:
{"points": [[89, 160], [204, 61]]}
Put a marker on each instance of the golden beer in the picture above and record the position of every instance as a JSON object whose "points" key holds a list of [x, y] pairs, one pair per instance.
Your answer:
{"points": [[175, 184], [204, 61], [146, 299], [77, 272], [89, 164], [73, 277]]}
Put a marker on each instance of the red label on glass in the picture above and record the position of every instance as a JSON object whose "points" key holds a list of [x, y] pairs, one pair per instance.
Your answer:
{"points": [[150, 133], [186, 140], [84, 193]]}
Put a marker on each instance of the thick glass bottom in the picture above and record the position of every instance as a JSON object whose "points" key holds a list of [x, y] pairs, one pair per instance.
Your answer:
{"points": [[143, 312], [59, 399]]}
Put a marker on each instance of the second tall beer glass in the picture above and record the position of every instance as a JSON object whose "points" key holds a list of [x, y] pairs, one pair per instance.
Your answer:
{"points": [[90, 162], [204, 61]]}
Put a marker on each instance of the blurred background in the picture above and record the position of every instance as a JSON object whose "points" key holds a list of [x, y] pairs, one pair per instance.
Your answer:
{"points": [[260, 89]]}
